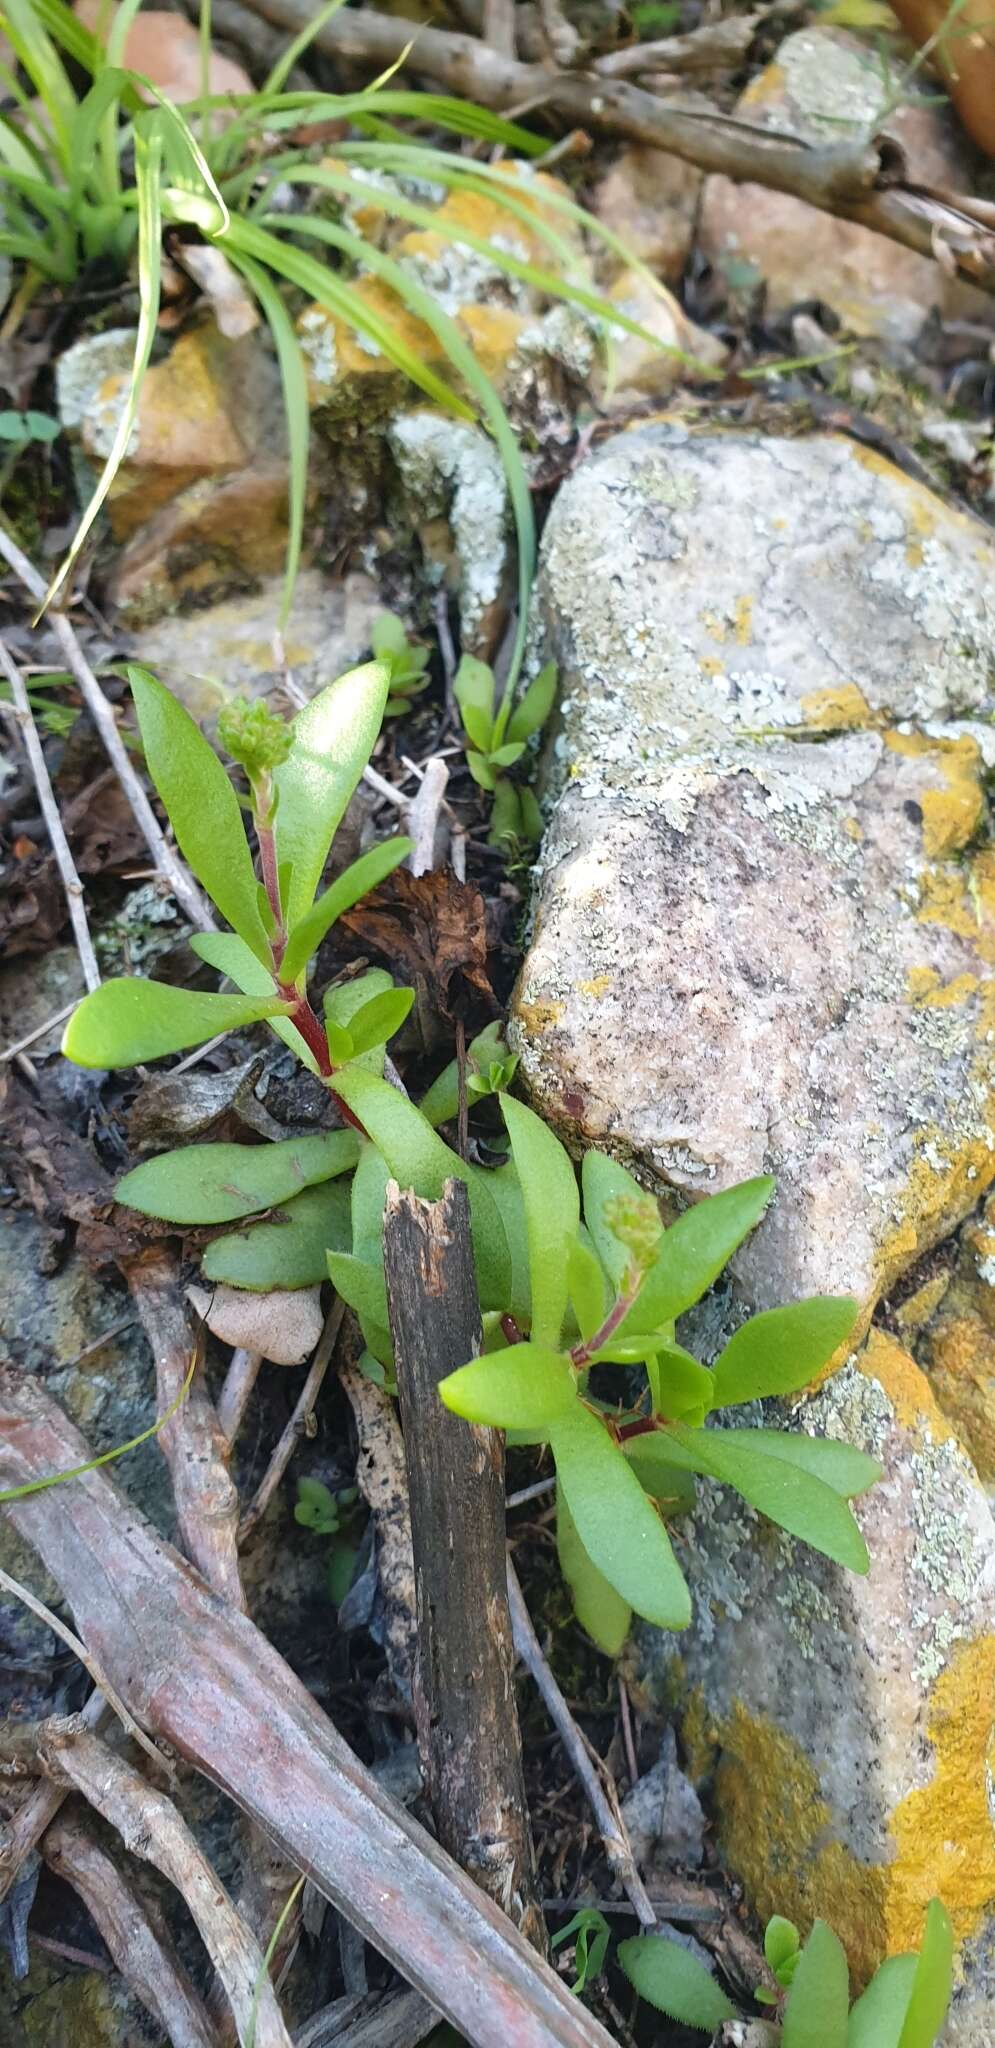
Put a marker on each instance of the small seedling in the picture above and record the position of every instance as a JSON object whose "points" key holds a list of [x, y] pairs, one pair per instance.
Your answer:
{"points": [[497, 735], [904, 2005], [590, 1933], [21, 428], [408, 660], [330, 1514]]}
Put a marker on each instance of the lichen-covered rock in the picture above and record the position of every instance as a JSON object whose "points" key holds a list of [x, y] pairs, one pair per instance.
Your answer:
{"points": [[954, 1338], [845, 1724], [765, 925], [452, 474], [205, 655], [828, 87]]}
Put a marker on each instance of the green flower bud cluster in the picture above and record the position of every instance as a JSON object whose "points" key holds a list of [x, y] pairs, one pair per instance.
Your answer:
{"points": [[253, 736], [635, 1221]]}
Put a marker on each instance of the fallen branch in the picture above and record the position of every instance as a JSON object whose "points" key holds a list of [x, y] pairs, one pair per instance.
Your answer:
{"points": [[133, 1930], [24, 720], [200, 1674], [401, 2020], [167, 862], [382, 1481], [861, 181], [611, 1826], [22, 1832], [464, 1690], [151, 1827]]}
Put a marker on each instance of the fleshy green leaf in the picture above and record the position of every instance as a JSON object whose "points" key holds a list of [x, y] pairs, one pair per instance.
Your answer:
{"points": [[586, 1288], [377, 1020], [552, 1213], [933, 1981], [599, 1609], [524, 1387], [221, 1183], [683, 1385], [473, 688], [124, 1022], [357, 880], [419, 1159], [781, 1942], [333, 740], [229, 955], [363, 1287], [673, 1980], [878, 2017], [603, 1180], [695, 1249], [670, 1484], [815, 2011], [534, 705], [290, 1251], [621, 1532], [846, 1470], [201, 806], [806, 1507], [441, 1104], [782, 1349]]}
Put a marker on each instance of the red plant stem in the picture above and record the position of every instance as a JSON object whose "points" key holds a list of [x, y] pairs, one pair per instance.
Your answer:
{"points": [[305, 1021], [271, 883], [582, 1354], [642, 1427]]}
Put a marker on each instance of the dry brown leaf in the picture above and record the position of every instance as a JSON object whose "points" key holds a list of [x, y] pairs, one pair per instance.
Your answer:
{"points": [[432, 932]]}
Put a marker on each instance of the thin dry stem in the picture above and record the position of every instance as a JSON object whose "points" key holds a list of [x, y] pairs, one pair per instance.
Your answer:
{"points": [[605, 1808], [167, 861], [295, 1428], [24, 719], [243, 1372], [22, 1832], [423, 817]]}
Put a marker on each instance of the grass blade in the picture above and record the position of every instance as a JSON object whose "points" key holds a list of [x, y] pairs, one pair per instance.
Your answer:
{"points": [[293, 377]]}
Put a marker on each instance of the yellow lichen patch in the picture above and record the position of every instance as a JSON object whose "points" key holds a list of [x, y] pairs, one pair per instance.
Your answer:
{"points": [[743, 619], [776, 1827], [699, 1737], [950, 814], [944, 1839], [962, 1376], [908, 1389], [926, 989], [945, 1180], [493, 333], [775, 1831], [598, 987], [836, 708], [716, 626], [914, 1312], [537, 1017]]}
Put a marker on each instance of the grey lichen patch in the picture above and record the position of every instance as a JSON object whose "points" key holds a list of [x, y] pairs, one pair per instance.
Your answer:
{"points": [[448, 467], [833, 83], [80, 375], [316, 334], [457, 275]]}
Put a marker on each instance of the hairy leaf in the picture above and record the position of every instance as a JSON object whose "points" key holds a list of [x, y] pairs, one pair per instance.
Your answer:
{"points": [[221, 1183], [291, 1251], [620, 1530], [781, 1942], [333, 740], [846, 1470], [815, 2011], [782, 1349], [673, 1980], [552, 1213], [599, 1609], [201, 806], [525, 1386], [695, 1249], [124, 1022]]}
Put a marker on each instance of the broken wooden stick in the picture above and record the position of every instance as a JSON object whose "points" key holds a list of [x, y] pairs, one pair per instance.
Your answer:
{"points": [[199, 1673], [464, 1692]]}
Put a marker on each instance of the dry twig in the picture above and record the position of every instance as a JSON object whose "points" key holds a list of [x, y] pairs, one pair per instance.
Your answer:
{"points": [[243, 1372], [382, 1481], [295, 1429], [23, 718], [167, 861], [22, 1832], [133, 1930], [151, 1827], [611, 1826], [863, 182]]}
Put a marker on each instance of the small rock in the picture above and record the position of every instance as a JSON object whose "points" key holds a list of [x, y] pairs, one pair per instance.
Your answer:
{"points": [[220, 536], [649, 200], [165, 49], [230, 647], [845, 1723], [664, 1816], [634, 368], [764, 927], [452, 471], [827, 87], [284, 1325]]}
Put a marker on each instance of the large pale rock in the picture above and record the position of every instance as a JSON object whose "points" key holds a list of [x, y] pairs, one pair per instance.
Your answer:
{"points": [[649, 200], [843, 1723], [765, 925], [827, 87]]}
